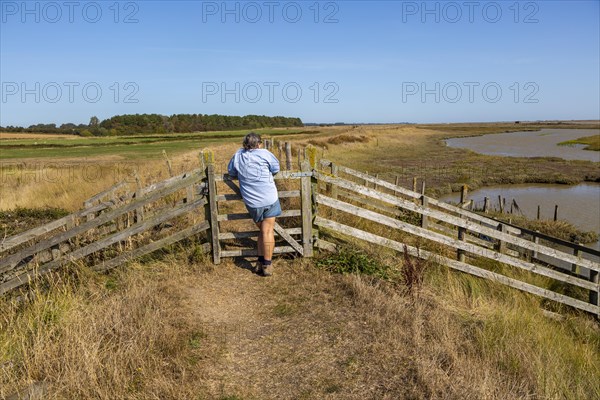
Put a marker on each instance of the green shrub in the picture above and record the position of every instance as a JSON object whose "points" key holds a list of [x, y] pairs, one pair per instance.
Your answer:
{"points": [[353, 261]]}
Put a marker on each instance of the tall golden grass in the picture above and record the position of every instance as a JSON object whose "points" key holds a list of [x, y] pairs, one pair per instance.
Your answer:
{"points": [[133, 334], [87, 336]]}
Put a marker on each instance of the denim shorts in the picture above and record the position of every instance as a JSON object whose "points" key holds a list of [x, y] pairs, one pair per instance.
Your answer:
{"points": [[260, 213]]}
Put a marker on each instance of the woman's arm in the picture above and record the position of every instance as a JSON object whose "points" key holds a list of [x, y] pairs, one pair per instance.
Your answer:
{"points": [[231, 170], [273, 164]]}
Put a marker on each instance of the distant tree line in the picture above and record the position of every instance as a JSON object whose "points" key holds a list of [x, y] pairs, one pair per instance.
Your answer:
{"points": [[131, 124]]}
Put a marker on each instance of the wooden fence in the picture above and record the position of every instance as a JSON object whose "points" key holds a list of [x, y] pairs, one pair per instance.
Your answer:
{"points": [[105, 229], [118, 225]]}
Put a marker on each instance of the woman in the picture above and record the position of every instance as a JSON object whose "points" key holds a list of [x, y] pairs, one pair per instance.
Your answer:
{"points": [[255, 168]]}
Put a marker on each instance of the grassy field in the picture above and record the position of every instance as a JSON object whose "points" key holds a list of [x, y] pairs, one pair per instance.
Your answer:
{"points": [[128, 147], [340, 326]]}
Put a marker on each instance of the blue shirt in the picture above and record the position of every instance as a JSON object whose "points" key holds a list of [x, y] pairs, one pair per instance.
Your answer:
{"points": [[255, 169]]}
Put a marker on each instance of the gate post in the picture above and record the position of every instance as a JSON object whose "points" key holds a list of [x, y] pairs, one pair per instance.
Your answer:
{"points": [[307, 215], [311, 156], [212, 212]]}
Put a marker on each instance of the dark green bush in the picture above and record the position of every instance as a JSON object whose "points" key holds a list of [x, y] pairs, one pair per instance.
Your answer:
{"points": [[350, 260]]}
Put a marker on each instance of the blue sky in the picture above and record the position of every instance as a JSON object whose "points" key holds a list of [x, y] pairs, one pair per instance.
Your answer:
{"points": [[350, 61]]}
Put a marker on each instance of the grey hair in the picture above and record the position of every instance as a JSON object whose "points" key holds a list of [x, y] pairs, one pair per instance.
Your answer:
{"points": [[251, 141]]}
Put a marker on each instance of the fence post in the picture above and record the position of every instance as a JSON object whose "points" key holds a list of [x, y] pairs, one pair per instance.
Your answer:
{"points": [[139, 212], [486, 205], [594, 294], [414, 184], [212, 211], [556, 212], [397, 183], [90, 216], [501, 204], [307, 216], [464, 190], [460, 254], [333, 190], [72, 222], [168, 161], [279, 149], [288, 156], [574, 267], [536, 240], [189, 197], [311, 155], [425, 204], [501, 244]]}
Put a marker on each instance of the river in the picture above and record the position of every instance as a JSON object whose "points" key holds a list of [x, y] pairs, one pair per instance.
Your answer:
{"points": [[543, 143], [578, 204]]}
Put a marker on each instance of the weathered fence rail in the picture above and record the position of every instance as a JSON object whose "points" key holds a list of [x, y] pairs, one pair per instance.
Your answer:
{"points": [[101, 226], [500, 235], [470, 234], [204, 202]]}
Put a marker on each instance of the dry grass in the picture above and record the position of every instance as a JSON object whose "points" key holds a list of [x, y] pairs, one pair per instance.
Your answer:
{"points": [[102, 337], [169, 331], [559, 229], [12, 135], [62, 185], [66, 184], [391, 150], [339, 139], [177, 327]]}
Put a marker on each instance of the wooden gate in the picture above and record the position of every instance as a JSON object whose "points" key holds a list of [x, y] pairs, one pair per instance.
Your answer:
{"points": [[113, 228], [231, 225]]}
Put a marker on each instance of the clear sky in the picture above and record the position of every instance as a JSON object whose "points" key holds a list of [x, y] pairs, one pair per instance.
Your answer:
{"points": [[329, 61]]}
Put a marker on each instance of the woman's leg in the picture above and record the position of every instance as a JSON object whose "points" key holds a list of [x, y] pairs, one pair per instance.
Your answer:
{"points": [[260, 240], [267, 238]]}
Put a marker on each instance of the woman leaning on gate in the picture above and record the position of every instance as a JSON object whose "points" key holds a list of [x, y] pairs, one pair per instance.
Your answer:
{"points": [[254, 167]]}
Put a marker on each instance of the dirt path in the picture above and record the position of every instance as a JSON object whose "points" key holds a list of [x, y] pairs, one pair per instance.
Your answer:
{"points": [[299, 334]]}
